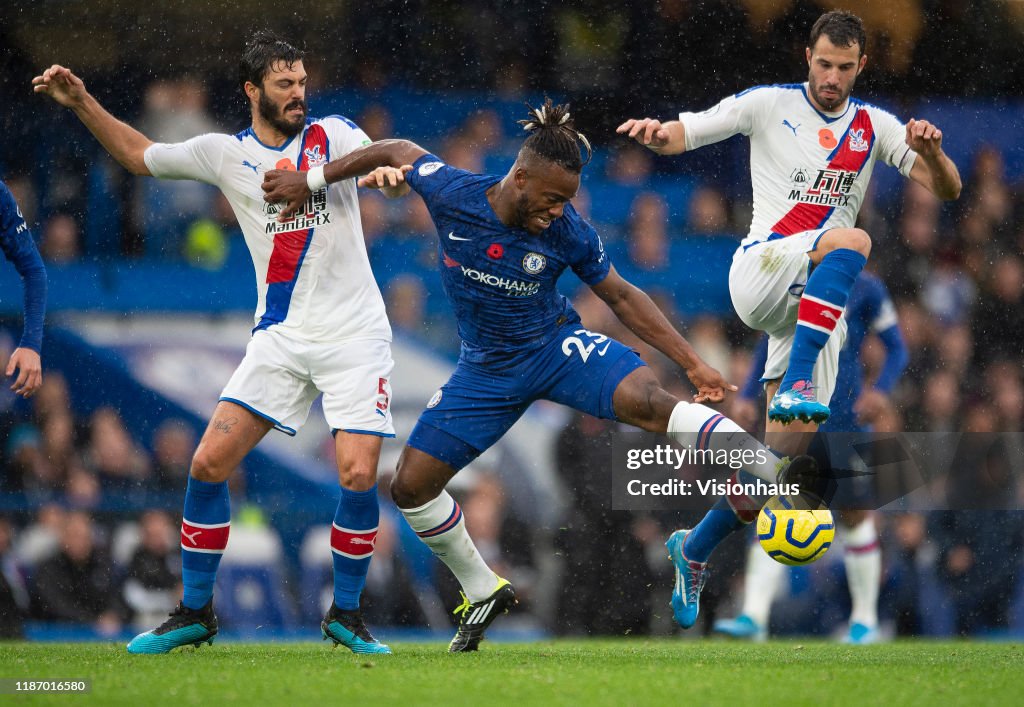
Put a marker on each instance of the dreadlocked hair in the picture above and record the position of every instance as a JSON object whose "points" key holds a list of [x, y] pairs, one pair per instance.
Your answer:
{"points": [[554, 137]]}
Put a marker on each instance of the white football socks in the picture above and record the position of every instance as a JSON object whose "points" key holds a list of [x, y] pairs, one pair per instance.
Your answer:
{"points": [[760, 584], [698, 427], [439, 523], [863, 560]]}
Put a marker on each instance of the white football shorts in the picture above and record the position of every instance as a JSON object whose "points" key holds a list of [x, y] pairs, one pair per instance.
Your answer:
{"points": [[766, 281], [280, 377]]}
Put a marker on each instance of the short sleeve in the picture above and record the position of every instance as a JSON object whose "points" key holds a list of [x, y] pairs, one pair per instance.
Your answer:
{"points": [[591, 263], [736, 115], [430, 175], [345, 135], [891, 135], [198, 158]]}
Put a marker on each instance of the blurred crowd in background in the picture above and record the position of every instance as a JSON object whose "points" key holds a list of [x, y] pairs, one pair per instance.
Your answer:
{"points": [[955, 271]]}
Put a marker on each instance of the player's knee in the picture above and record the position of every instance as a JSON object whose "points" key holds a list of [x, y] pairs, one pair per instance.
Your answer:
{"points": [[858, 239], [356, 477], [205, 467], [644, 406], [404, 494]]}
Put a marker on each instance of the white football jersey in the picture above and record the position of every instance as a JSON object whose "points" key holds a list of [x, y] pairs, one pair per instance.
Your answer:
{"points": [[313, 277], [809, 169]]}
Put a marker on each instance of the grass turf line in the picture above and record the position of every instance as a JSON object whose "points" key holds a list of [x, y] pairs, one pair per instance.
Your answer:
{"points": [[597, 672]]}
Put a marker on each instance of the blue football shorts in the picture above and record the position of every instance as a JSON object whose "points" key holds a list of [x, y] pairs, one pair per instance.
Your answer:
{"points": [[577, 368]]}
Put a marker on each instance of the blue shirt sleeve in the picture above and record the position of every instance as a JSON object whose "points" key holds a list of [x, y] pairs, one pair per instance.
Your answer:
{"points": [[753, 387], [590, 261], [18, 246], [881, 316], [430, 175]]}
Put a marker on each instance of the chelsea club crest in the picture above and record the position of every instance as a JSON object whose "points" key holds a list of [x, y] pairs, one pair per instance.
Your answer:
{"points": [[533, 263]]}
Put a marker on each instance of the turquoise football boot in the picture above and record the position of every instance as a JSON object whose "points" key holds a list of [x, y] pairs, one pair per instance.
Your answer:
{"points": [[742, 627], [861, 635], [346, 628], [690, 579], [184, 627], [797, 403]]}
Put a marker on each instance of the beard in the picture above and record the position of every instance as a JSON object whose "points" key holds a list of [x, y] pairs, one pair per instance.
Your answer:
{"points": [[828, 104], [522, 211], [276, 117]]}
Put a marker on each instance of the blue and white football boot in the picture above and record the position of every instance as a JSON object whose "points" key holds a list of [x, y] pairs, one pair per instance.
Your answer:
{"points": [[797, 403], [690, 579], [861, 635], [742, 627]]}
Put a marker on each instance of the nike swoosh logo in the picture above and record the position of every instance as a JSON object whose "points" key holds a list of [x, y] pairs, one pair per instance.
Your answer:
{"points": [[456, 238], [601, 352]]}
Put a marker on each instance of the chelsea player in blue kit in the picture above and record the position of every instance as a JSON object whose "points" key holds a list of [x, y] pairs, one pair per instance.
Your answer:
{"points": [[19, 248], [503, 243], [869, 310]]}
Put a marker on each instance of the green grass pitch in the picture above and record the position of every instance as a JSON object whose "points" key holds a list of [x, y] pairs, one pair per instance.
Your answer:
{"points": [[579, 673]]}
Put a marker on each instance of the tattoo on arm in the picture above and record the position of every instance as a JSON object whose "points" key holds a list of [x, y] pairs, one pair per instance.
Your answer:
{"points": [[225, 425]]}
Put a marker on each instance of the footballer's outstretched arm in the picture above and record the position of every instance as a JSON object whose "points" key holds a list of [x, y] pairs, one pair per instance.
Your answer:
{"points": [[124, 143], [638, 312], [294, 188], [663, 138]]}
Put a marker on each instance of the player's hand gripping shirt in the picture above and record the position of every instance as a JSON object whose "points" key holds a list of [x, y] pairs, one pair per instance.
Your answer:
{"points": [[499, 279], [809, 169], [313, 277]]}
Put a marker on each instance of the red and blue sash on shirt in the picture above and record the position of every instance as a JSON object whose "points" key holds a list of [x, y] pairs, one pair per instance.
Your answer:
{"points": [[850, 155]]}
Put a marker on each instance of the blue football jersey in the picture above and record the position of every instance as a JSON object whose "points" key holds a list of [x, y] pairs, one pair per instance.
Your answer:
{"points": [[19, 248], [14, 234], [501, 280]]}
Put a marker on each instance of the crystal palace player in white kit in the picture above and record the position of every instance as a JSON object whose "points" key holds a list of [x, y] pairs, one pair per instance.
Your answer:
{"points": [[320, 327], [812, 151]]}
